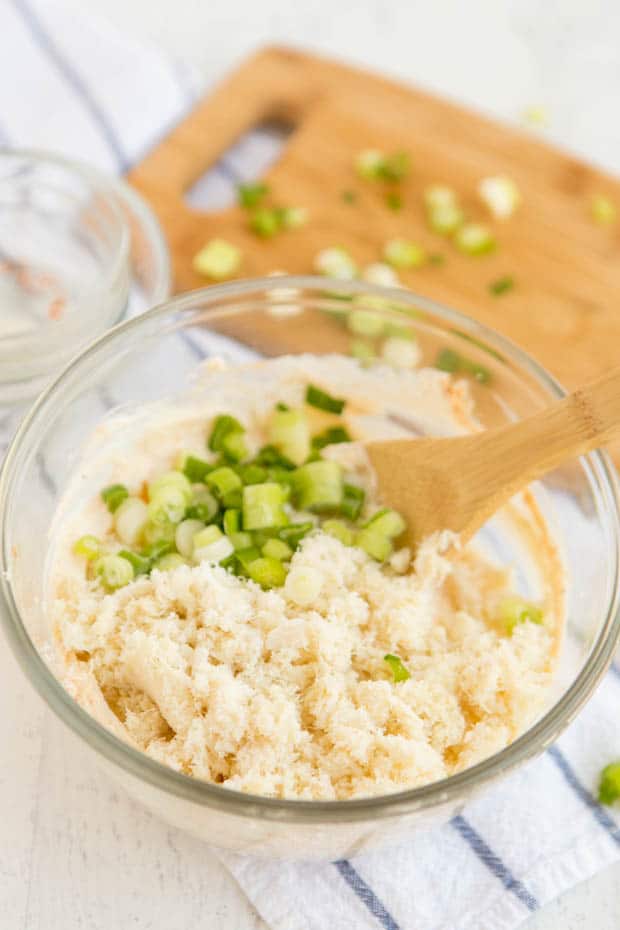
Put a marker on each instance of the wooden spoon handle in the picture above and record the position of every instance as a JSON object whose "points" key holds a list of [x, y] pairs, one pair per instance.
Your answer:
{"points": [[522, 452]]}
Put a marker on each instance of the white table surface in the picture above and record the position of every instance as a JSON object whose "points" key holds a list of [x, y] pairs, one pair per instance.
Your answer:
{"points": [[74, 852]]}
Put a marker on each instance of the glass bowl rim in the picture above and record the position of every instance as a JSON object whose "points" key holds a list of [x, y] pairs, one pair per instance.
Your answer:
{"points": [[136, 763]]}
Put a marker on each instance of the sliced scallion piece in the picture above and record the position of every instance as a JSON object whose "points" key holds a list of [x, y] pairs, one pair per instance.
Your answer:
{"points": [[277, 549], [170, 561], [246, 556], [249, 195], [114, 571], [474, 239], [89, 547], [130, 519], [404, 254], [515, 610], [335, 263], [175, 480], [399, 672], [210, 545], [252, 473], [114, 495], [365, 323], [156, 549], [231, 522], [609, 784], [295, 532], [218, 260], [339, 530], [289, 432], [267, 572], [332, 436], [318, 486], [352, 501], [322, 400], [502, 285], [195, 469], [203, 505], [374, 543], [269, 456], [184, 536], [263, 506], [241, 540], [265, 222], [141, 564], [223, 425], [387, 522], [223, 480], [167, 506]]}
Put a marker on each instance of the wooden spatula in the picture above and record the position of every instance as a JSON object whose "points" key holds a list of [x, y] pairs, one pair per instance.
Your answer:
{"points": [[457, 484]]}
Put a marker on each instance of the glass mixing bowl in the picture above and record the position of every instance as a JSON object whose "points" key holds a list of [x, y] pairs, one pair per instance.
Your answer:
{"points": [[150, 358]]}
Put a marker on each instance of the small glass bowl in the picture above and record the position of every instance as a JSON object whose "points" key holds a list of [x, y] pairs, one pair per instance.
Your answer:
{"points": [[151, 358], [77, 252]]}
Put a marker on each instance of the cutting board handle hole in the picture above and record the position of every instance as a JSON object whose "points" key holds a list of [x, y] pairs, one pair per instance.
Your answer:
{"points": [[259, 147]]}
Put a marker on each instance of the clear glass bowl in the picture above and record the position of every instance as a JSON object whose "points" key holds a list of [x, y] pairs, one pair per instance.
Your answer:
{"points": [[77, 252], [150, 358]]}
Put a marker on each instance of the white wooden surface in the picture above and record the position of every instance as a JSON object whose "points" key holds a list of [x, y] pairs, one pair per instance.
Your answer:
{"points": [[74, 853]]}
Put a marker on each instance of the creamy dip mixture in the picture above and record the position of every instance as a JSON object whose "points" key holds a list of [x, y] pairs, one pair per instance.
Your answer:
{"points": [[350, 674]]}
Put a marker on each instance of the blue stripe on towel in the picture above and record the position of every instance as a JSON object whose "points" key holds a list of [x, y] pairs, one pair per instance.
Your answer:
{"points": [[493, 862], [599, 813], [73, 79], [365, 893]]}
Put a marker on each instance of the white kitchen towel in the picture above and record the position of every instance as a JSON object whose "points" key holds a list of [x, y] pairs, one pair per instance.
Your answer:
{"points": [[75, 86]]}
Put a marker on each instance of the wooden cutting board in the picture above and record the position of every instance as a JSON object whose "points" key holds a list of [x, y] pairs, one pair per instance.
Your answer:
{"points": [[565, 308]]}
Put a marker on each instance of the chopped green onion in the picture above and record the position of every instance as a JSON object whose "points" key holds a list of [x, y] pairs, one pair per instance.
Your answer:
{"points": [[324, 401], [501, 285], [141, 564], [381, 274], [170, 561], [373, 164], [439, 195], [234, 447], [223, 425], [249, 195], [262, 506], [400, 352], [231, 522], [265, 222], [240, 540], [349, 197], [374, 543], [156, 549], [365, 323], [445, 219], [114, 495], [393, 200], [448, 360], [218, 260], [269, 455], [289, 432], [318, 486], [210, 545], [339, 530], [170, 479], [246, 556], [436, 258], [362, 351], [184, 536], [252, 473], [295, 532], [474, 239], [514, 610], [114, 571], [267, 572], [167, 506], [387, 522], [130, 519], [223, 480], [282, 407], [335, 263], [303, 585], [195, 469], [399, 672], [609, 785], [501, 195], [332, 436], [277, 549], [352, 501], [293, 217], [604, 211], [403, 254], [233, 498], [88, 546], [203, 506]]}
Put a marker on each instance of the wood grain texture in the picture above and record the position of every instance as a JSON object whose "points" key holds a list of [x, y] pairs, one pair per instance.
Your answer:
{"points": [[564, 309], [459, 483]]}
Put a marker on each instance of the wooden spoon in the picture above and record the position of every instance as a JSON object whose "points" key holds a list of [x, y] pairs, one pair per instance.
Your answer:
{"points": [[457, 484]]}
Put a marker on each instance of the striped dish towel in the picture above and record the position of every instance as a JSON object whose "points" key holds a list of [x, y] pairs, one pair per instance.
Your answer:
{"points": [[79, 88]]}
